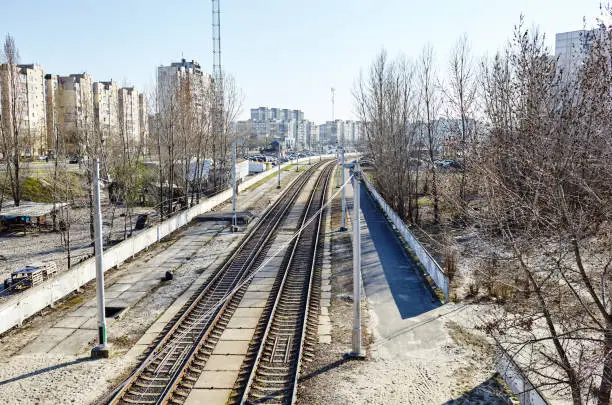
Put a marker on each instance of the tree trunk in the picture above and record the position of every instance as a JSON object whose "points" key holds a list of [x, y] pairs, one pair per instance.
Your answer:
{"points": [[605, 388]]}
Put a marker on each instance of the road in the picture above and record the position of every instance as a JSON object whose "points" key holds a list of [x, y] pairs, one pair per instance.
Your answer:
{"points": [[36, 167]]}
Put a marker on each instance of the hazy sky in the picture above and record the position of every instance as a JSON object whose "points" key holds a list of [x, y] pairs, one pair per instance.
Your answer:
{"points": [[282, 53]]}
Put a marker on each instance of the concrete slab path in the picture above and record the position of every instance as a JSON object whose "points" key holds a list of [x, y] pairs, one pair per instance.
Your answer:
{"points": [[404, 313]]}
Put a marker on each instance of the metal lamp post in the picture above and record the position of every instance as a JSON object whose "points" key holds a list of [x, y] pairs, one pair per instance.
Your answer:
{"points": [[102, 350], [278, 162], [357, 349], [343, 226], [337, 159], [234, 188]]}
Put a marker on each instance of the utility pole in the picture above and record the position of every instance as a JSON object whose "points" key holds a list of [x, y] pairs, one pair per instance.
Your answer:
{"points": [[358, 350], [320, 146], [234, 186], [278, 162], [343, 226], [333, 123], [100, 351]]}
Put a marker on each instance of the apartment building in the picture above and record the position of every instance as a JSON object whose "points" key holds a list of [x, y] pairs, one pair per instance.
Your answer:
{"points": [[106, 110], [184, 77], [573, 47], [52, 124], [129, 118], [23, 104], [76, 117], [143, 122], [280, 124]]}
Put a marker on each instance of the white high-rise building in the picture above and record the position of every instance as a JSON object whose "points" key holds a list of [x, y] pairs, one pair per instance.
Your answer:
{"points": [[186, 77], [143, 122], [129, 116], [51, 94], [276, 124], [25, 86], [106, 110], [572, 48], [76, 111]]}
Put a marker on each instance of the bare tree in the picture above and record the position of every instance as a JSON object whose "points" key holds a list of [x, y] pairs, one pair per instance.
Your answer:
{"points": [[546, 183], [430, 104], [12, 104], [461, 96], [386, 103]]}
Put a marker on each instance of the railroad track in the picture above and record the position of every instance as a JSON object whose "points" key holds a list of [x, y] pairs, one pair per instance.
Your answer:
{"points": [[176, 358], [270, 371]]}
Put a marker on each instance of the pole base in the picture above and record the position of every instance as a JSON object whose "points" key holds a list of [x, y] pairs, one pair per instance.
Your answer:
{"points": [[100, 352], [235, 228], [356, 356], [277, 187]]}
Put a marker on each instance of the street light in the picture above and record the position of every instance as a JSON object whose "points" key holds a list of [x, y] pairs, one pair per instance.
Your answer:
{"points": [[343, 226], [278, 162], [357, 349], [102, 350], [234, 188]]}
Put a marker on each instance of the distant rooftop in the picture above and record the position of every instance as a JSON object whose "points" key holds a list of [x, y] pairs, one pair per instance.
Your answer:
{"points": [[27, 209]]}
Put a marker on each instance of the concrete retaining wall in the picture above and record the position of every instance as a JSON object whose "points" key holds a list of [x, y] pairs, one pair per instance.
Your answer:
{"points": [[517, 381], [23, 305], [431, 266]]}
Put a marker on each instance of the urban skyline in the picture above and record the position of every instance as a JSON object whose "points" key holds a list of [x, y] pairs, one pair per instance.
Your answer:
{"points": [[339, 36]]}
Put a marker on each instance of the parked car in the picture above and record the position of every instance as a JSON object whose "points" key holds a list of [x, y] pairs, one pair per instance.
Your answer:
{"points": [[448, 164]]}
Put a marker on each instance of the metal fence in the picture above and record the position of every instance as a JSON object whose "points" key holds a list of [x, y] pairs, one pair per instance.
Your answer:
{"points": [[518, 382], [431, 265]]}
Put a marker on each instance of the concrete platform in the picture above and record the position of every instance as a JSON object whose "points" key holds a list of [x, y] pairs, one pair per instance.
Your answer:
{"points": [[231, 347], [218, 379], [71, 334], [224, 362], [208, 396]]}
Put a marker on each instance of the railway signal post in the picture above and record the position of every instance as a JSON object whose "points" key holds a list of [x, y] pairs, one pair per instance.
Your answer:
{"points": [[102, 350]]}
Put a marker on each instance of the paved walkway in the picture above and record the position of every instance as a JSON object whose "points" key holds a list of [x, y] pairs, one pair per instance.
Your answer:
{"points": [[404, 312]]}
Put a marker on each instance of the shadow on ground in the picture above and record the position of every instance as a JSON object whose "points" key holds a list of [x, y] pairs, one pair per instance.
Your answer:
{"points": [[489, 392], [382, 247], [44, 370]]}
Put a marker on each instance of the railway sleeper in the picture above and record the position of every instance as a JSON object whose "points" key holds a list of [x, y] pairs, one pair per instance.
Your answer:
{"points": [[137, 401], [148, 385]]}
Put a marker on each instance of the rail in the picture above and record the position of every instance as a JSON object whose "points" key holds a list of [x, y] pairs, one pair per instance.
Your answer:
{"points": [[272, 373], [159, 377], [15, 309]]}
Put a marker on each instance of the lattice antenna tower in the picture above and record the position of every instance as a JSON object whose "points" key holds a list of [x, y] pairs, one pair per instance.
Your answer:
{"points": [[333, 124], [217, 71], [333, 92]]}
